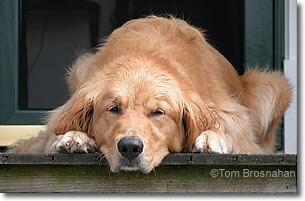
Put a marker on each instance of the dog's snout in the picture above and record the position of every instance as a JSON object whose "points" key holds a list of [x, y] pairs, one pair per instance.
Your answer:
{"points": [[130, 147]]}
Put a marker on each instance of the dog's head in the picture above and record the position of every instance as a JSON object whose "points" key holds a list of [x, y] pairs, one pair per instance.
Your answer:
{"points": [[137, 110]]}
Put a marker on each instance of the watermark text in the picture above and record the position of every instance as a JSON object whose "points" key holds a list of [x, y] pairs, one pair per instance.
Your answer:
{"points": [[248, 173]]}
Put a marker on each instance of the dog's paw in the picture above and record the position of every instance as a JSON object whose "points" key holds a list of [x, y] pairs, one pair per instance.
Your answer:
{"points": [[74, 142], [210, 141]]}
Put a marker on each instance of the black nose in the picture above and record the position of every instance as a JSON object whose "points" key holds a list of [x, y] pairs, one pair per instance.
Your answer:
{"points": [[130, 147]]}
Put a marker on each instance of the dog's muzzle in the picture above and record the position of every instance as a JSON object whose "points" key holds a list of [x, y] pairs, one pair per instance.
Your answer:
{"points": [[130, 149]]}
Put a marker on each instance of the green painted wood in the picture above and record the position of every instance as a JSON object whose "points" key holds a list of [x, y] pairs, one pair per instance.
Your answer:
{"points": [[177, 173], [258, 33], [8, 57], [26, 117], [9, 66], [279, 54], [264, 33], [279, 32]]}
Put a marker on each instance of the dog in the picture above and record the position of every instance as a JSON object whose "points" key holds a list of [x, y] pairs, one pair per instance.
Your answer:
{"points": [[157, 86]]}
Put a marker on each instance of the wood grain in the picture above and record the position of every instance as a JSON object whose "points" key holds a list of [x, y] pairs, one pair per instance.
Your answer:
{"points": [[177, 173]]}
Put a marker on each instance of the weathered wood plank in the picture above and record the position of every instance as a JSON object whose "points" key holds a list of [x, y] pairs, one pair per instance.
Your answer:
{"points": [[171, 159], [177, 173]]}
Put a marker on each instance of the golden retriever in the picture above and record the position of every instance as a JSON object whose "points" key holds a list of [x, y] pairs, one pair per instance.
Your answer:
{"points": [[156, 86]]}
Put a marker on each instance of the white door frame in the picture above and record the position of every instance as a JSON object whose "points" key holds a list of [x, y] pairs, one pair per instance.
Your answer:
{"points": [[291, 72]]}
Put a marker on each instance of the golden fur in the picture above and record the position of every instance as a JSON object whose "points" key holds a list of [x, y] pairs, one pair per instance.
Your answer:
{"points": [[165, 63]]}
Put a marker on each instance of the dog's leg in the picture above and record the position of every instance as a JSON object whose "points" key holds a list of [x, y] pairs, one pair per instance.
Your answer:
{"points": [[74, 141], [210, 141], [233, 132]]}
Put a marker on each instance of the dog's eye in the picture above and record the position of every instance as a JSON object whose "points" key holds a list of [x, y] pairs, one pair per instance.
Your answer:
{"points": [[116, 109], [157, 112]]}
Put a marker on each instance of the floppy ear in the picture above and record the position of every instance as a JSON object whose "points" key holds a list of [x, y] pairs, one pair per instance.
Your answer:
{"points": [[76, 114], [197, 117]]}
